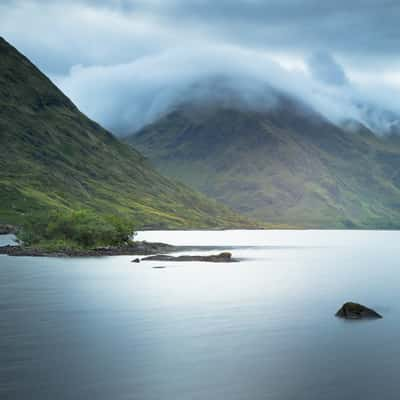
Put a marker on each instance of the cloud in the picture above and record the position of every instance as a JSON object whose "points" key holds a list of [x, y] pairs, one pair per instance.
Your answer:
{"points": [[125, 62], [324, 68], [125, 97], [57, 35], [116, 31], [128, 96]]}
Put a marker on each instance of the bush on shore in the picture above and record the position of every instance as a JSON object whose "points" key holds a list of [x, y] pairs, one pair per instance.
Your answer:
{"points": [[77, 229]]}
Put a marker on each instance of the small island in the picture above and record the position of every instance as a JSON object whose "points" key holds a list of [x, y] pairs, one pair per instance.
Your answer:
{"points": [[86, 234], [79, 233]]}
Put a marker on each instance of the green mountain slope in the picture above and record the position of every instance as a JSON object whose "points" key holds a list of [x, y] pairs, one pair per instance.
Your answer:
{"points": [[53, 157], [287, 165]]}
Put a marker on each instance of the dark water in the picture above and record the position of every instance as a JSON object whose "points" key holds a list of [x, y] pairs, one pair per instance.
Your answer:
{"points": [[259, 329]]}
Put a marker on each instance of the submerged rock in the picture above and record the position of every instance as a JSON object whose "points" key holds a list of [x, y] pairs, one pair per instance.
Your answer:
{"points": [[352, 310], [222, 257]]}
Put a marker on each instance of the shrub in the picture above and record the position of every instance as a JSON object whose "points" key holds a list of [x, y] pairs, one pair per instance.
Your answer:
{"points": [[79, 229]]}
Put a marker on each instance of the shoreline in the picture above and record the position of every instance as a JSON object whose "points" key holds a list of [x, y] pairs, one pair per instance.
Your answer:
{"points": [[140, 248], [7, 229], [137, 248]]}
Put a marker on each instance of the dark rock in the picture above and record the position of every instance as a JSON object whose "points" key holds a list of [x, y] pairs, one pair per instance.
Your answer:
{"points": [[222, 257], [136, 260], [352, 310], [160, 257], [7, 229], [159, 267]]}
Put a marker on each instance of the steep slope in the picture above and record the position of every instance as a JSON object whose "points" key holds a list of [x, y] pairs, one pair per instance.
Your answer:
{"points": [[286, 165], [53, 156]]}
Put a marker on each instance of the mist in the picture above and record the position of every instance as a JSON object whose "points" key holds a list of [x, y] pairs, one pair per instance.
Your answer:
{"points": [[127, 62], [128, 96]]}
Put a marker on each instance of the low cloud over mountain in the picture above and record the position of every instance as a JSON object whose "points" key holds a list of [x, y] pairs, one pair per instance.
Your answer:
{"points": [[125, 63]]}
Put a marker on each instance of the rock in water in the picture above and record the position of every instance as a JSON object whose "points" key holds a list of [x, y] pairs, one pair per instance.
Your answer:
{"points": [[222, 257], [352, 310]]}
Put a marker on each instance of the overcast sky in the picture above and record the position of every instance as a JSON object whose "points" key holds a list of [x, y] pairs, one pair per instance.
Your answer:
{"points": [[124, 62]]}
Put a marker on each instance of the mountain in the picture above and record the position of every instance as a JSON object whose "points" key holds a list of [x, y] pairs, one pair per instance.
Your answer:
{"points": [[54, 157], [285, 164]]}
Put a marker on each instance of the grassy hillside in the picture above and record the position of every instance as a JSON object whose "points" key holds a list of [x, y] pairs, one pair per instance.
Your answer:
{"points": [[53, 157], [288, 165]]}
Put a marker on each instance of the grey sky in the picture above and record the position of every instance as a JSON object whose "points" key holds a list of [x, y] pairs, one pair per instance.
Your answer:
{"points": [[125, 61]]}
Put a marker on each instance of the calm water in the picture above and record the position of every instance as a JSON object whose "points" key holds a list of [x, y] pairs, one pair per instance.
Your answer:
{"points": [[260, 329]]}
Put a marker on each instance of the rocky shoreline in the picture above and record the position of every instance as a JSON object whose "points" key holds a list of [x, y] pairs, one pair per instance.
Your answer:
{"points": [[6, 229], [136, 248], [140, 248]]}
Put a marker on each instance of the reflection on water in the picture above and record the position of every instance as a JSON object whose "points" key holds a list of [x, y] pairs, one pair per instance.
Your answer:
{"points": [[259, 329]]}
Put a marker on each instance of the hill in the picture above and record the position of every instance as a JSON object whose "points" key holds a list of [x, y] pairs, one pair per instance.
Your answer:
{"points": [[286, 164], [54, 157]]}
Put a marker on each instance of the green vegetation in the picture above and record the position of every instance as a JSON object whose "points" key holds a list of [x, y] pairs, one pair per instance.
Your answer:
{"points": [[75, 230], [286, 166], [53, 158]]}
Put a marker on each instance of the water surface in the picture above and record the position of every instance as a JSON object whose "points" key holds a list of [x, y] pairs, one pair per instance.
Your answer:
{"points": [[104, 328]]}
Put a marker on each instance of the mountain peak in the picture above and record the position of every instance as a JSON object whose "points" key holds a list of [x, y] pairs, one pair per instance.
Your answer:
{"points": [[22, 82], [285, 165]]}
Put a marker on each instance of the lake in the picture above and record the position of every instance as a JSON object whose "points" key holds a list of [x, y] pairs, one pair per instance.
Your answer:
{"points": [[263, 328]]}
